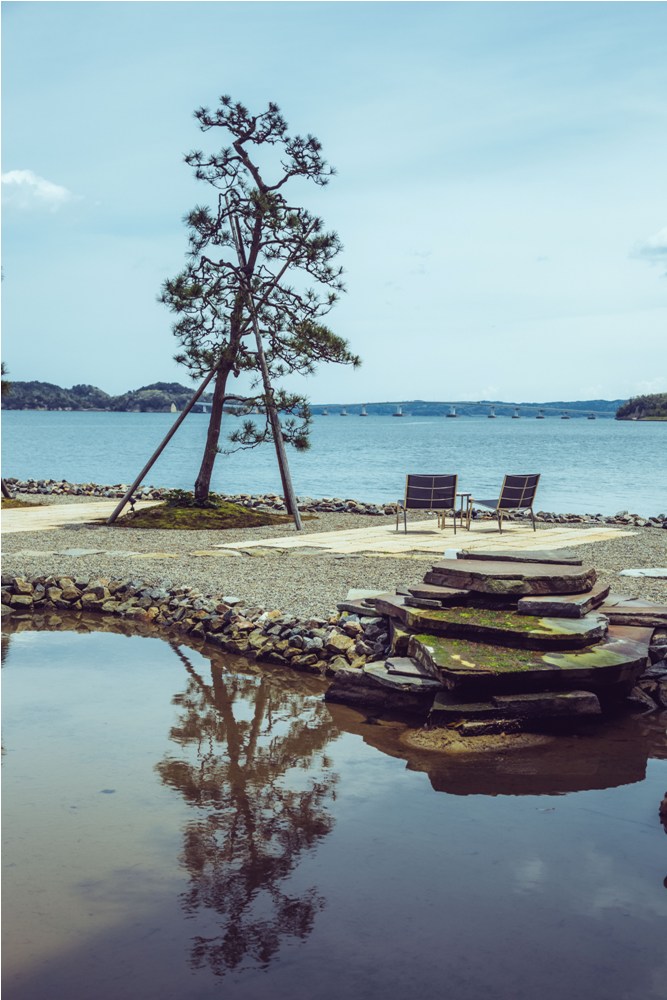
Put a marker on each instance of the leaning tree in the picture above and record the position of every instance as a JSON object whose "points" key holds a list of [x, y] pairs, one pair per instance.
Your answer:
{"points": [[260, 277]]}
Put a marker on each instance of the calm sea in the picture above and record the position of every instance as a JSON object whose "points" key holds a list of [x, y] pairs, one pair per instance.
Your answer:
{"points": [[587, 466]]}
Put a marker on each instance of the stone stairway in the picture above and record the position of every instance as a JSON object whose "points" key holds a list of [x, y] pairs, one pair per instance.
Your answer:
{"points": [[494, 643]]}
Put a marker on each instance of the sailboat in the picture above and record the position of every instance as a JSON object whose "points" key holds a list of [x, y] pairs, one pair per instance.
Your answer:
{"points": [[492, 413], [516, 414], [540, 415], [399, 412], [325, 412], [591, 416], [565, 415], [452, 412], [343, 412], [363, 412]]}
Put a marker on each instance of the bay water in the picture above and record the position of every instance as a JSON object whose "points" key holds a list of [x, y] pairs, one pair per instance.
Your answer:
{"points": [[587, 466], [179, 825]]}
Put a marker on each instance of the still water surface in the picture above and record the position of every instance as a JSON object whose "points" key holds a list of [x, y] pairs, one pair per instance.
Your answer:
{"points": [[178, 825], [587, 466]]}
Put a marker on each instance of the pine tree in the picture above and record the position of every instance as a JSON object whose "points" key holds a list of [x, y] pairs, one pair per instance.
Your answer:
{"points": [[287, 268]]}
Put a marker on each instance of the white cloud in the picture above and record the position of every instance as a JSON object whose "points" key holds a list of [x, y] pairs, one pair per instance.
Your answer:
{"points": [[653, 249], [25, 189]]}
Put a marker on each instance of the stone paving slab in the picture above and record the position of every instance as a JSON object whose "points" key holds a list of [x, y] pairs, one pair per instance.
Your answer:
{"points": [[58, 515], [385, 540]]}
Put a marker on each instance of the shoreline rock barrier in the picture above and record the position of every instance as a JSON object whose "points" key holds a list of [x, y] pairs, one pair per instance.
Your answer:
{"points": [[315, 645], [336, 505], [340, 646]]}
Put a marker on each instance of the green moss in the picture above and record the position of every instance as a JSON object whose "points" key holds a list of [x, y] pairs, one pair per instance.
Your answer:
{"points": [[221, 517], [473, 657]]}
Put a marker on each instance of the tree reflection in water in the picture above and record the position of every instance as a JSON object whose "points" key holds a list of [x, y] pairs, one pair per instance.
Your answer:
{"points": [[253, 765]]}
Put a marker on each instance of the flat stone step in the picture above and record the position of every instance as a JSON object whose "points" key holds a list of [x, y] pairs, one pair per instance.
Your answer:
{"points": [[416, 683], [445, 596], [515, 579], [547, 704], [403, 665], [420, 602], [476, 670], [389, 604], [507, 628], [563, 605], [447, 708], [374, 687], [559, 556], [356, 608], [633, 611]]}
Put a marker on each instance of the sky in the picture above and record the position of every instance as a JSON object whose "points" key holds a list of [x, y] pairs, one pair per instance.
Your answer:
{"points": [[500, 189]]}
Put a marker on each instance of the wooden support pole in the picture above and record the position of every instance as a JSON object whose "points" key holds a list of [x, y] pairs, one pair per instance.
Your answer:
{"points": [[271, 409], [160, 448]]}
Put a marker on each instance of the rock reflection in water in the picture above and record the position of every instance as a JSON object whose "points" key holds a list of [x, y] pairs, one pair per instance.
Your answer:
{"points": [[248, 750]]}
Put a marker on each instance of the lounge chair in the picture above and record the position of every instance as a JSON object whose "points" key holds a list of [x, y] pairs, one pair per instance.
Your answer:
{"points": [[517, 493], [435, 493]]}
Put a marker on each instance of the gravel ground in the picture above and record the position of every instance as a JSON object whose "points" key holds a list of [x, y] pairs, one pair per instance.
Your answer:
{"points": [[304, 584]]}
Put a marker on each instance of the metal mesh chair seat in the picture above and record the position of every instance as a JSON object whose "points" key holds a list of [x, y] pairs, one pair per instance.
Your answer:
{"points": [[432, 493], [517, 493]]}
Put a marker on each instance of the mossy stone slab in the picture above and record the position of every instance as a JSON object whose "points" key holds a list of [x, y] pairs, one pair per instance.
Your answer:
{"points": [[563, 605], [515, 579], [562, 556], [476, 670], [507, 628]]}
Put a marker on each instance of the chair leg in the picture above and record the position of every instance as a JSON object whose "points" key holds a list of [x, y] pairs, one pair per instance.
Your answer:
{"points": [[500, 521], [405, 521], [533, 517], [454, 519]]}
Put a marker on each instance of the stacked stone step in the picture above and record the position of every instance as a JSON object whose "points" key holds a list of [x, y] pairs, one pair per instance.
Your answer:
{"points": [[509, 639]]}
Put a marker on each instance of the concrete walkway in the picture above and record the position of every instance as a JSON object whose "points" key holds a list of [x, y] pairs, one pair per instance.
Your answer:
{"points": [[383, 539], [60, 514]]}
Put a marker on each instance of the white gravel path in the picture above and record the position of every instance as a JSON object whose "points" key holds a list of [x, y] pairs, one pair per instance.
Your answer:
{"points": [[303, 582]]}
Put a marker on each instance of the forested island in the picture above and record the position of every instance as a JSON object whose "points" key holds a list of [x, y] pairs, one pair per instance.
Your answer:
{"points": [[653, 407], [159, 397]]}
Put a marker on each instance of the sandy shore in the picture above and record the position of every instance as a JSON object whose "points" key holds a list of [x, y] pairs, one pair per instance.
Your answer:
{"points": [[302, 583]]}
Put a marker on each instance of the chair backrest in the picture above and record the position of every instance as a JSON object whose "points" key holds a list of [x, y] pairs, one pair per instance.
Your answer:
{"points": [[430, 492], [518, 492]]}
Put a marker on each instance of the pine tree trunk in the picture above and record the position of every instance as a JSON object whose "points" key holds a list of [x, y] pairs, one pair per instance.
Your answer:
{"points": [[203, 481]]}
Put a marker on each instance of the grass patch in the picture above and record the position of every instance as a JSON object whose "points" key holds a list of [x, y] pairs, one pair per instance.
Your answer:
{"points": [[13, 504], [217, 516]]}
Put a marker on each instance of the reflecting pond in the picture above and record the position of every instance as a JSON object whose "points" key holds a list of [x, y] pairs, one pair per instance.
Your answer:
{"points": [[183, 824]]}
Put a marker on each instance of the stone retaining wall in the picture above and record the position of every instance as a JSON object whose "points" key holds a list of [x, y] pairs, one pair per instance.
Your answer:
{"points": [[316, 645], [336, 505]]}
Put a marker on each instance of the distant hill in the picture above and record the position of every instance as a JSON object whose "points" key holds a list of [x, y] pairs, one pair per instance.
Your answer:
{"points": [[160, 396], [475, 408], [653, 407]]}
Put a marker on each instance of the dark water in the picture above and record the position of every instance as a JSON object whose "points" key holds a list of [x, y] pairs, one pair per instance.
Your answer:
{"points": [[181, 826], [587, 466]]}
